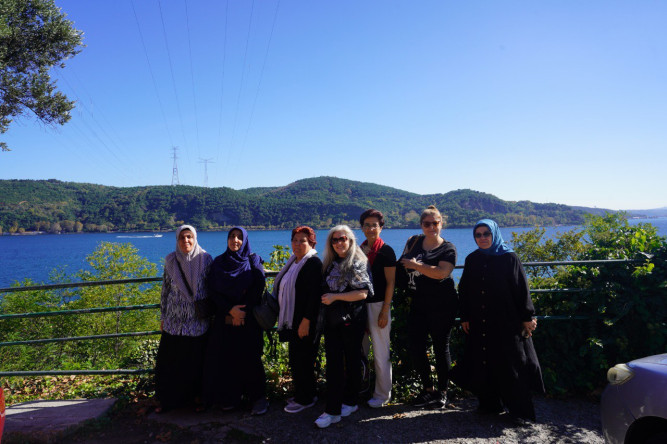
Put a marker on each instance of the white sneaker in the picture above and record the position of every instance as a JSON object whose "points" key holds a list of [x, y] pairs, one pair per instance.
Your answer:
{"points": [[325, 420], [347, 410], [376, 403]]}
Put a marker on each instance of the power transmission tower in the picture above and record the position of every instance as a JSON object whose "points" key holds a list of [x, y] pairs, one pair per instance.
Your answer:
{"points": [[206, 162], [174, 170]]}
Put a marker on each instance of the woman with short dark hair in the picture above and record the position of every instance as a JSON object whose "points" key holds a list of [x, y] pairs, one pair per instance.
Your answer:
{"points": [[382, 260], [298, 288]]}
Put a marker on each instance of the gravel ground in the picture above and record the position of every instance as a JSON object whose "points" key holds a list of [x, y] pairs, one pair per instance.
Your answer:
{"points": [[559, 421]]}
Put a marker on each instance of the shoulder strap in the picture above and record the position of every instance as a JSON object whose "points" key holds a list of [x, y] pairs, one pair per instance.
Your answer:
{"points": [[185, 281]]}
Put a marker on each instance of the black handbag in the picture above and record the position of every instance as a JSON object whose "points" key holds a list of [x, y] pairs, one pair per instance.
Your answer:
{"points": [[266, 312]]}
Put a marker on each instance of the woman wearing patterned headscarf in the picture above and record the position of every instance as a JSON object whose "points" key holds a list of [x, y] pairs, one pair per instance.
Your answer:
{"points": [[180, 355], [347, 283], [233, 367], [499, 364]]}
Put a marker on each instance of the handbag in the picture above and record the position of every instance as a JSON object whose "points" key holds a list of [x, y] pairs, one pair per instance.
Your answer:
{"points": [[266, 312], [401, 272]]}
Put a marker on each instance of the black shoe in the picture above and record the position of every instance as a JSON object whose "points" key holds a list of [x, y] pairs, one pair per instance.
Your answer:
{"points": [[439, 403], [260, 407], [518, 421], [427, 399]]}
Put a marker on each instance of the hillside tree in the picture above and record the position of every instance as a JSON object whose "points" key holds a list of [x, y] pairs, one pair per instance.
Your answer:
{"points": [[35, 37]]}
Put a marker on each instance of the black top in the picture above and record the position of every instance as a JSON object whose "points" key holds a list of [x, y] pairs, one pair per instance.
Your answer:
{"points": [[308, 293], [385, 258], [423, 288]]}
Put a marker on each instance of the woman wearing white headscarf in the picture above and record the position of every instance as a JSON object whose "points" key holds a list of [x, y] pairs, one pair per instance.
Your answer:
{"points": [[178, 367]]}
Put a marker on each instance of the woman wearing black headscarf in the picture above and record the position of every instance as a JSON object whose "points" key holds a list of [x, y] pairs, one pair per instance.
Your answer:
{"points": [[233, 366], [499, 364], [181, 352]]}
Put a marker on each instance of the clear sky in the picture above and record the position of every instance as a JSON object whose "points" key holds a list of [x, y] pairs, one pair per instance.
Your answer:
{"points": [[550, 101]]}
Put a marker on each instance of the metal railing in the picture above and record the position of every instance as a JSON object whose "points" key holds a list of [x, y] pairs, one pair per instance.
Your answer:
{"points": [[157, 306]]}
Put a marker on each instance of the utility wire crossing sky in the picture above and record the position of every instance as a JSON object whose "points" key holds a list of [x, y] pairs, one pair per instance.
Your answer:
{"points": [[562, 101]]}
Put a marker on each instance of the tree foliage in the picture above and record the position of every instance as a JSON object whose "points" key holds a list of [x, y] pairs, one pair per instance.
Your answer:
{"points": [[623, 305], [35, 37], [319, 202]]}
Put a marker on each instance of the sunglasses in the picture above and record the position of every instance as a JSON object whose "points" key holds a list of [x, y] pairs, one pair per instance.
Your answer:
{"points": [[483, 234], [335, 240], [428, 224]]}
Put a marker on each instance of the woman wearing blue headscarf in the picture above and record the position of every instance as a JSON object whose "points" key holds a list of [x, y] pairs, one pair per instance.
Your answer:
{"points": [[233, 367], [499, 365]]}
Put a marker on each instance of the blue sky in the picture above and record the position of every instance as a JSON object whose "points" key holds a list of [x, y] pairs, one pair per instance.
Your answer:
{"points": [[550, 101]]}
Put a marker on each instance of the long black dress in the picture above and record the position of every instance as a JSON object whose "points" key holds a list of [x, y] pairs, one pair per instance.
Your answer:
{"points": [[233, 360], [499, 365]]}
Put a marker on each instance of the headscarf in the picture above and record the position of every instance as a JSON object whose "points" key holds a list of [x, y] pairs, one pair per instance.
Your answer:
{"points": [[287, 294], [373, 252], [231, 271], [498, 246], [192, 263]]}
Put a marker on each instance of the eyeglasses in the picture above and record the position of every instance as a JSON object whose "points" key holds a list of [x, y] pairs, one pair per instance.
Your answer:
{"points": [[482, 234], [428, 224], [375, 225], [335, 240]]}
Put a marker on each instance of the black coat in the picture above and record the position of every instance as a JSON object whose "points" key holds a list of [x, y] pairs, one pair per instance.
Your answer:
{"points": [[495, 300], [308, 295]]}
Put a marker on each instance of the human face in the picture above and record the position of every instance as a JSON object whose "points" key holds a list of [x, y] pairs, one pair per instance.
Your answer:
{"points": [[431, 226], [186, 241], [235, 240], [300, 245], [371, 228], [483, 237], [340, 243]]}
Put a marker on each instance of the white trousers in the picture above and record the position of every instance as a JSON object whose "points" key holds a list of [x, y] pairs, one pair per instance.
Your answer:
{"points": [[381, 359]]}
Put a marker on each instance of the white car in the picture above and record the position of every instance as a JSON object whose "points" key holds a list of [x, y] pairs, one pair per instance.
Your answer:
{"points": [[634, 404]]}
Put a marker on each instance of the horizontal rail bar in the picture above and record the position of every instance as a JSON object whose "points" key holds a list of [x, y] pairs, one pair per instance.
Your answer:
{"points": [[78, 311], [78, 372], [82, 338], [269, 273]]}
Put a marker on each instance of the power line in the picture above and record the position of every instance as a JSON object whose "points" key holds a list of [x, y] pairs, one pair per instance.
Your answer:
{"points": [[150, 69], [173, 78], [192, 74]]}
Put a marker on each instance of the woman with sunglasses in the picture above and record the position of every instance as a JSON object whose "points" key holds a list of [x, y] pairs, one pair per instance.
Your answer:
{"points": [[499, 364], [347, 284], [428, 261]]}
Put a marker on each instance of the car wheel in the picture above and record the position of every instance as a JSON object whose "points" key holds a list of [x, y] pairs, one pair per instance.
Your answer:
{"points": [[657, 438]]}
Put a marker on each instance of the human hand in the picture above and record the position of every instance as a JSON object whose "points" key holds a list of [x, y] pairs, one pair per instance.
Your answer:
{"points": [[304, 328], [529, 327], [410, 264], [328, 298], [238, 315], [383, 317]]}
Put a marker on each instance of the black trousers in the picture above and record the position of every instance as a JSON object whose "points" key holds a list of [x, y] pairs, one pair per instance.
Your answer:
{"points": [[342, 345], [302, 355], [435, 321], [178, 369]]}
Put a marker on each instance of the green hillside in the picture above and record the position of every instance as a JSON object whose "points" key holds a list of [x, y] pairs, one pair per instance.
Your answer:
{"points": [[51, 205]]}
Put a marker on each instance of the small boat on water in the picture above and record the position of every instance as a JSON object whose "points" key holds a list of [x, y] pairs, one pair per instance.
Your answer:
{"points": [[138, 236]]}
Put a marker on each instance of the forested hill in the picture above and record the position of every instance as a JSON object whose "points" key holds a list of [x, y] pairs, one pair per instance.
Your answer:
{"points": [[51, 205]]}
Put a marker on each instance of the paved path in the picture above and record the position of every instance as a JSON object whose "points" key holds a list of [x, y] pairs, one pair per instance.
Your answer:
{"points": [[570, 421]]}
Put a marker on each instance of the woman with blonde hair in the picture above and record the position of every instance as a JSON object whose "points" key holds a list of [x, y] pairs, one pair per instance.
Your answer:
{"points": [[347, 284], [427, 262]]}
